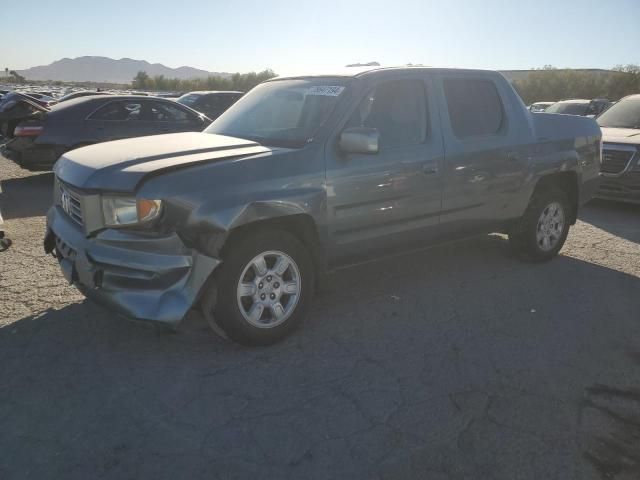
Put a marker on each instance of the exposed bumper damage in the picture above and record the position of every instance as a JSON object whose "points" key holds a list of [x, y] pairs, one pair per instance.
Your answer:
{"points": [[145, 277]]}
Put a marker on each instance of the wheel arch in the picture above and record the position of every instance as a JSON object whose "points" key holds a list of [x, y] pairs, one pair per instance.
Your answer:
{"points": [[299, 224], [567, 181]]}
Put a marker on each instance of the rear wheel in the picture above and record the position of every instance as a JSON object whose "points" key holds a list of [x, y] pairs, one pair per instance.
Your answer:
{"points": [[264, 286], [541, 232]]}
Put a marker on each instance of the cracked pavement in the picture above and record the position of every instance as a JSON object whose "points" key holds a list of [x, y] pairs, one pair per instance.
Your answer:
{"points": [[458, 362]]}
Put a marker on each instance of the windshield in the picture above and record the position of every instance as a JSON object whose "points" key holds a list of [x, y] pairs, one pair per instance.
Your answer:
{"points": [[568, 108], [624, 114], [283, 113], [189, 99]]}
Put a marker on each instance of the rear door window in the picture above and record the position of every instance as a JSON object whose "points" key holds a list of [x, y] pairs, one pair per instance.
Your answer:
{"points": [[163, 112], [474, 105], [118, 111]]}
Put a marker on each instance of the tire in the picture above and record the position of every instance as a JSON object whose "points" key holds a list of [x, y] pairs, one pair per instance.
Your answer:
{"points": [[527, 237], [270, 306]]}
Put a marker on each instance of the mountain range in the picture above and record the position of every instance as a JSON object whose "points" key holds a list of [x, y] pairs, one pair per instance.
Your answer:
{"points": [[109, 70]]}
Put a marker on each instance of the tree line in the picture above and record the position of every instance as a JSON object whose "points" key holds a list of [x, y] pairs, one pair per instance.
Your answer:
{"points": [[553, 84], [544, 84], [238, 81]]}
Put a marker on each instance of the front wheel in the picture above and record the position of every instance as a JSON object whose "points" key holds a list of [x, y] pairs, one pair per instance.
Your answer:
{"points": [[264, 286], [541, 232]]}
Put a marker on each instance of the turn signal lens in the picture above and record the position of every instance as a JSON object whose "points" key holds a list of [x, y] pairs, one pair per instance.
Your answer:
{"points": [[148, 209]]}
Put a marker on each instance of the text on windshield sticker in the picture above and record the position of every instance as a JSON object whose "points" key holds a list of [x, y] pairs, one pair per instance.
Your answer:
{"points": [[326, 90]]}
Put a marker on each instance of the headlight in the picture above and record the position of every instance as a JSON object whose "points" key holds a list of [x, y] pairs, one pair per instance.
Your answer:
{"points": [[129, 210]]}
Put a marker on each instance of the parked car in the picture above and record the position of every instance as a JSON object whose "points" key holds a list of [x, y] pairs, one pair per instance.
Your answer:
{"points": [[14, 107], [585, 108], [212, 104], [538, 107], [621, 151], [42, 99], [36, 98], [304, 175], [40, 139]]}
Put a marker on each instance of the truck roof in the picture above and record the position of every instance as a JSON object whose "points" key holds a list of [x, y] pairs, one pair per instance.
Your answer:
{"points": [[354, 72]]}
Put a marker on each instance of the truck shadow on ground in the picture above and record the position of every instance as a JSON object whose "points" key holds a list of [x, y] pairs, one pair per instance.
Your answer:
{"points": [[617, 218], [26, 196], [435, 362]]}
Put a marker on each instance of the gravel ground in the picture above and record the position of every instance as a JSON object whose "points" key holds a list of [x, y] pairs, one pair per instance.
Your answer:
{"points": [[455, 363]]}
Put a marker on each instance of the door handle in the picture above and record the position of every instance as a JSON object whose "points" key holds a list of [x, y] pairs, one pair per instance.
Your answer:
{"points": [[430, 169], [513, 157]]}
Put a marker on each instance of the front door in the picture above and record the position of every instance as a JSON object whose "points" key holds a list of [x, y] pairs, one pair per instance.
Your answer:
{"points": [[377, 202]]}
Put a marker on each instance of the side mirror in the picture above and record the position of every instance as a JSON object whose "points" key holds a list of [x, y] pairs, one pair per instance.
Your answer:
{"points": [[359, 140]]}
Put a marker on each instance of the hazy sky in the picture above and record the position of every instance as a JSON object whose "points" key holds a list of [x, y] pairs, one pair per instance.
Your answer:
{"points": [[291, 35]]}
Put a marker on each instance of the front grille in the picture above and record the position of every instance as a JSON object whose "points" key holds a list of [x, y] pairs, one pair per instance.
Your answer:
{"points": [[70, 202], [615, 161]]}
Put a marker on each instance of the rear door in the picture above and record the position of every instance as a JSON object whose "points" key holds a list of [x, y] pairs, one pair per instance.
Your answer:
{"points": [[485, 162], [116, 120], [387, 199]]}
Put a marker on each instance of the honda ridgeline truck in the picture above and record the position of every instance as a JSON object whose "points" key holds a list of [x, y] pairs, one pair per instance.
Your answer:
{"points": [[305, 174]]}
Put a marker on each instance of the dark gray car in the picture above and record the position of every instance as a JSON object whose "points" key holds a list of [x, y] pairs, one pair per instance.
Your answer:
{"points": [[306, 174], [40, 139]]}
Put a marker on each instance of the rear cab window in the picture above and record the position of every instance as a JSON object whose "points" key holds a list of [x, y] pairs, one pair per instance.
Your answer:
{"points": [[474, 106]]}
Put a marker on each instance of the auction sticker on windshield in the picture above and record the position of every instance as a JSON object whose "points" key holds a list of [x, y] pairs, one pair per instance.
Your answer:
{"points": [[326, 90]]}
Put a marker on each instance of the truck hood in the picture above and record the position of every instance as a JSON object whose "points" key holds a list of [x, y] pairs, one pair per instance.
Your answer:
{"points": [[621, 135], [121, 165]]}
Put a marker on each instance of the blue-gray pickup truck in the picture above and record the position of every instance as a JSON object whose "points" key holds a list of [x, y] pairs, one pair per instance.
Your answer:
{"points": [[308, 173]]}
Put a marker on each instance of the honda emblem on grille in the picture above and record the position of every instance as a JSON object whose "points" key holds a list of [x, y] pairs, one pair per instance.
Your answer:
{"points": [[65, 202]]}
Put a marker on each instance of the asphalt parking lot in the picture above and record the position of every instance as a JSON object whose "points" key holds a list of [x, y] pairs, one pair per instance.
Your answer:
{"points": [[458, 362]]}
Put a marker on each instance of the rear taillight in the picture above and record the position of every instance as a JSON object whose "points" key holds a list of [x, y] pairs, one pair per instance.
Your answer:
{"points": [[27, 131]]}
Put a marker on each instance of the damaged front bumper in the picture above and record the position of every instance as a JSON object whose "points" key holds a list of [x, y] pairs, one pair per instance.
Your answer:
{"points": [[141, 276]]}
